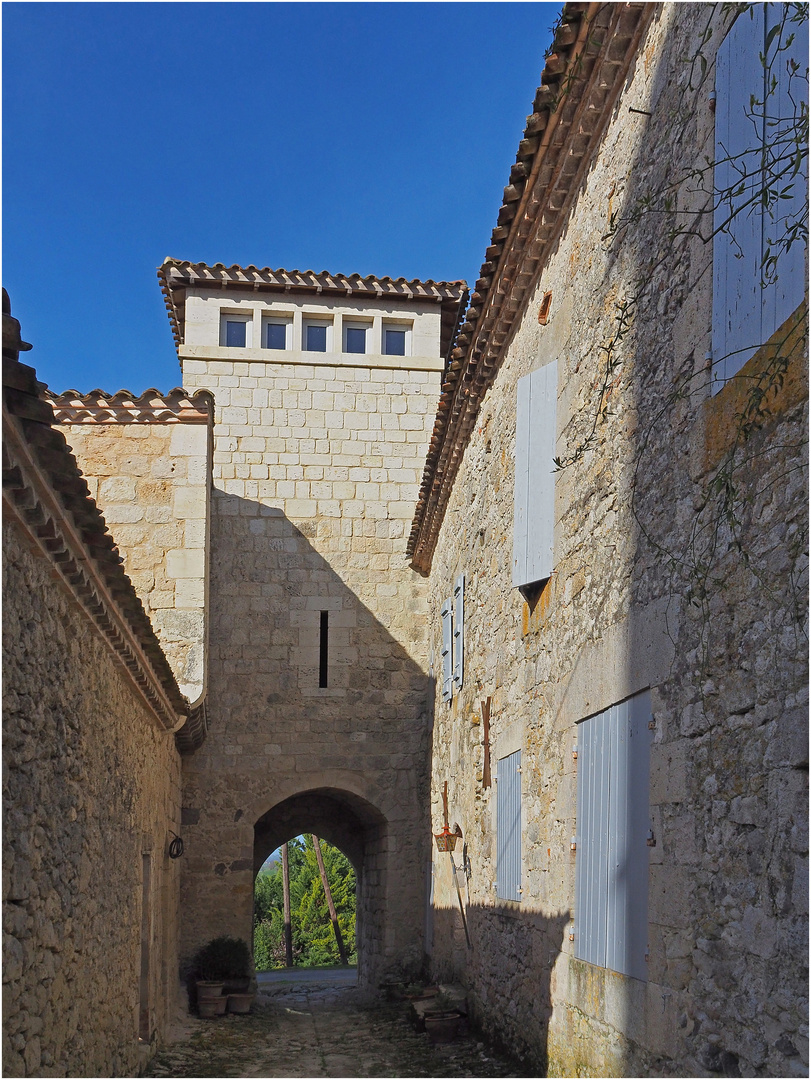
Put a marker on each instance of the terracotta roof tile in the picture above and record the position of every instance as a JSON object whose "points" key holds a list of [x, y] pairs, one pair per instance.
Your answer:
{"points": [[176, 276], [152, 406], [65, 523]]}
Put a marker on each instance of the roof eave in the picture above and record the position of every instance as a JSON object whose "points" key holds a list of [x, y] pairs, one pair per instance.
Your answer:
{"points": [[593, 49]]}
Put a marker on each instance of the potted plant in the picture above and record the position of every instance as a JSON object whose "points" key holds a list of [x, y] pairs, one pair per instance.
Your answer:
{"points": [[442, 1019], [223, 971]]}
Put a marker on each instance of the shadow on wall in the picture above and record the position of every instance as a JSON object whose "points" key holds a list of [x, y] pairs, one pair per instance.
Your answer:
{"points": [[510, 964], [320, 722]]}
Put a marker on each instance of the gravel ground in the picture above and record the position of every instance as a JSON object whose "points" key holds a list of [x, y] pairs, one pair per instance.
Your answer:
{"points": [[320, 1029]]}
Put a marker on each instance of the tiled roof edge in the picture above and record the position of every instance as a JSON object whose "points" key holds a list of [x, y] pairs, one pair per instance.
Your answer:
{"points": [[593, 48], [193, 733], [179, 274], [124, 407], [45, 491]]}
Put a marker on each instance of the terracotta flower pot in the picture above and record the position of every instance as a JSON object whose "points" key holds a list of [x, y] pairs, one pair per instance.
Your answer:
{"points": [[442, 1027], [208, 1008], [240, 1003]]}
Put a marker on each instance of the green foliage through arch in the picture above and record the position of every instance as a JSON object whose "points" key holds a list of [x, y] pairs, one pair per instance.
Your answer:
{"points": [[313, 937]]}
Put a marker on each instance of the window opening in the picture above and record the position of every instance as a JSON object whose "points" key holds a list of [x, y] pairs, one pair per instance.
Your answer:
{"points": [[276, 336], [146, 923], [323, 663], [355, 339], [316, 338], [235, 333], [394, 342]]}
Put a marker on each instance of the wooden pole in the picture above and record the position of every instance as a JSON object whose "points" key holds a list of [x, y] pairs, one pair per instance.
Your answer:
{"points": [[485, 707], [332, 913], [288, 927]]}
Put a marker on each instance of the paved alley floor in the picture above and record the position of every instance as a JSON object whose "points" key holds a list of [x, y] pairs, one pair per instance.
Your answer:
{"points": [[320, 1028]]}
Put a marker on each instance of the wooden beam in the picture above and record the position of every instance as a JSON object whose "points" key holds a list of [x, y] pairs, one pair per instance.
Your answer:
{"points": [[288, 926], [332, 913]]}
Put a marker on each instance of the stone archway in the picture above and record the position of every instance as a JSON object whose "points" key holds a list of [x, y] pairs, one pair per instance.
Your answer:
{"points": [[361, 831]]}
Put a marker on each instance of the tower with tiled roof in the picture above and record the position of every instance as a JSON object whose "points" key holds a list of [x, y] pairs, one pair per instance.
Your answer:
{"points": [[325, 387]]}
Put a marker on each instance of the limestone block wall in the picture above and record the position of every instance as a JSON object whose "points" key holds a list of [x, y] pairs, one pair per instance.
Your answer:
{"points": [[91, 787], [726, 968], [315, 475], [152, 482]]}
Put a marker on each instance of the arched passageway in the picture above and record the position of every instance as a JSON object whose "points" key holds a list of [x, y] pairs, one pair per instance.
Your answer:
{"points": [[360, 830]]}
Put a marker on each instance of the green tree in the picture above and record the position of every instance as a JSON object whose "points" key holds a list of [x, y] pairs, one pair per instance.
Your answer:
{"points": [[313, 937]]}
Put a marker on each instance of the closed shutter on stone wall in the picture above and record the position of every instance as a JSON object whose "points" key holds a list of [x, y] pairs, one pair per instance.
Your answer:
{"points": [[613, 819], [534, 505], [447, 650], [745, 313], [459, 631], [508, 827]]}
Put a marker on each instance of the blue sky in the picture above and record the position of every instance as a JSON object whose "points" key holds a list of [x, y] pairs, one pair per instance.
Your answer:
{"points": [[369, 138]]}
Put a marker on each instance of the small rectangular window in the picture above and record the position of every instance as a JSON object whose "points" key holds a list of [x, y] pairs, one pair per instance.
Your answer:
{"points": [[394, 342], [235, 333], [355, 339], [315, 337], [275, 336]]}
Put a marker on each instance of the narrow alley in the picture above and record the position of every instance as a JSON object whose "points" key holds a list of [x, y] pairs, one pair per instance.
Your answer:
{"points": [[317, 1027]]}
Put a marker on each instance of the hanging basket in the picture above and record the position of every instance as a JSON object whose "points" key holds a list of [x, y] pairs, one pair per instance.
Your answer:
{"points": [[445, 840]]}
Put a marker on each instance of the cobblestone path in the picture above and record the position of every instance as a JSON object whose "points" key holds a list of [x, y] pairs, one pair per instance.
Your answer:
{"points": [[322, 1030]]}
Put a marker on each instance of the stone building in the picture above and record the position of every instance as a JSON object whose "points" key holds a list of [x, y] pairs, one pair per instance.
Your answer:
{"points": [[614, 531], [593, 634], [319, 702], [90, 894]]}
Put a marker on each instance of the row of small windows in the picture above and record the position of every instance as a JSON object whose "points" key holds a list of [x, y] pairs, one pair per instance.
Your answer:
{"points": [[316, 336]]}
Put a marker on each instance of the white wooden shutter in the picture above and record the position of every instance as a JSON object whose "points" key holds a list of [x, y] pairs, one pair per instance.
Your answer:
{"points": [[447, 650], [591, 867], [459, 631], [782, 109], [737, 251], [521, 496], [508, 827], [613, 796], [534, 503], [541, 516]]}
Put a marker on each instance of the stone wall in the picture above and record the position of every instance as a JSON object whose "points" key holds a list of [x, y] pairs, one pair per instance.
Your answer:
{"points": [[152, 483], [315, 477], [727, 981], [91, 785]]}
